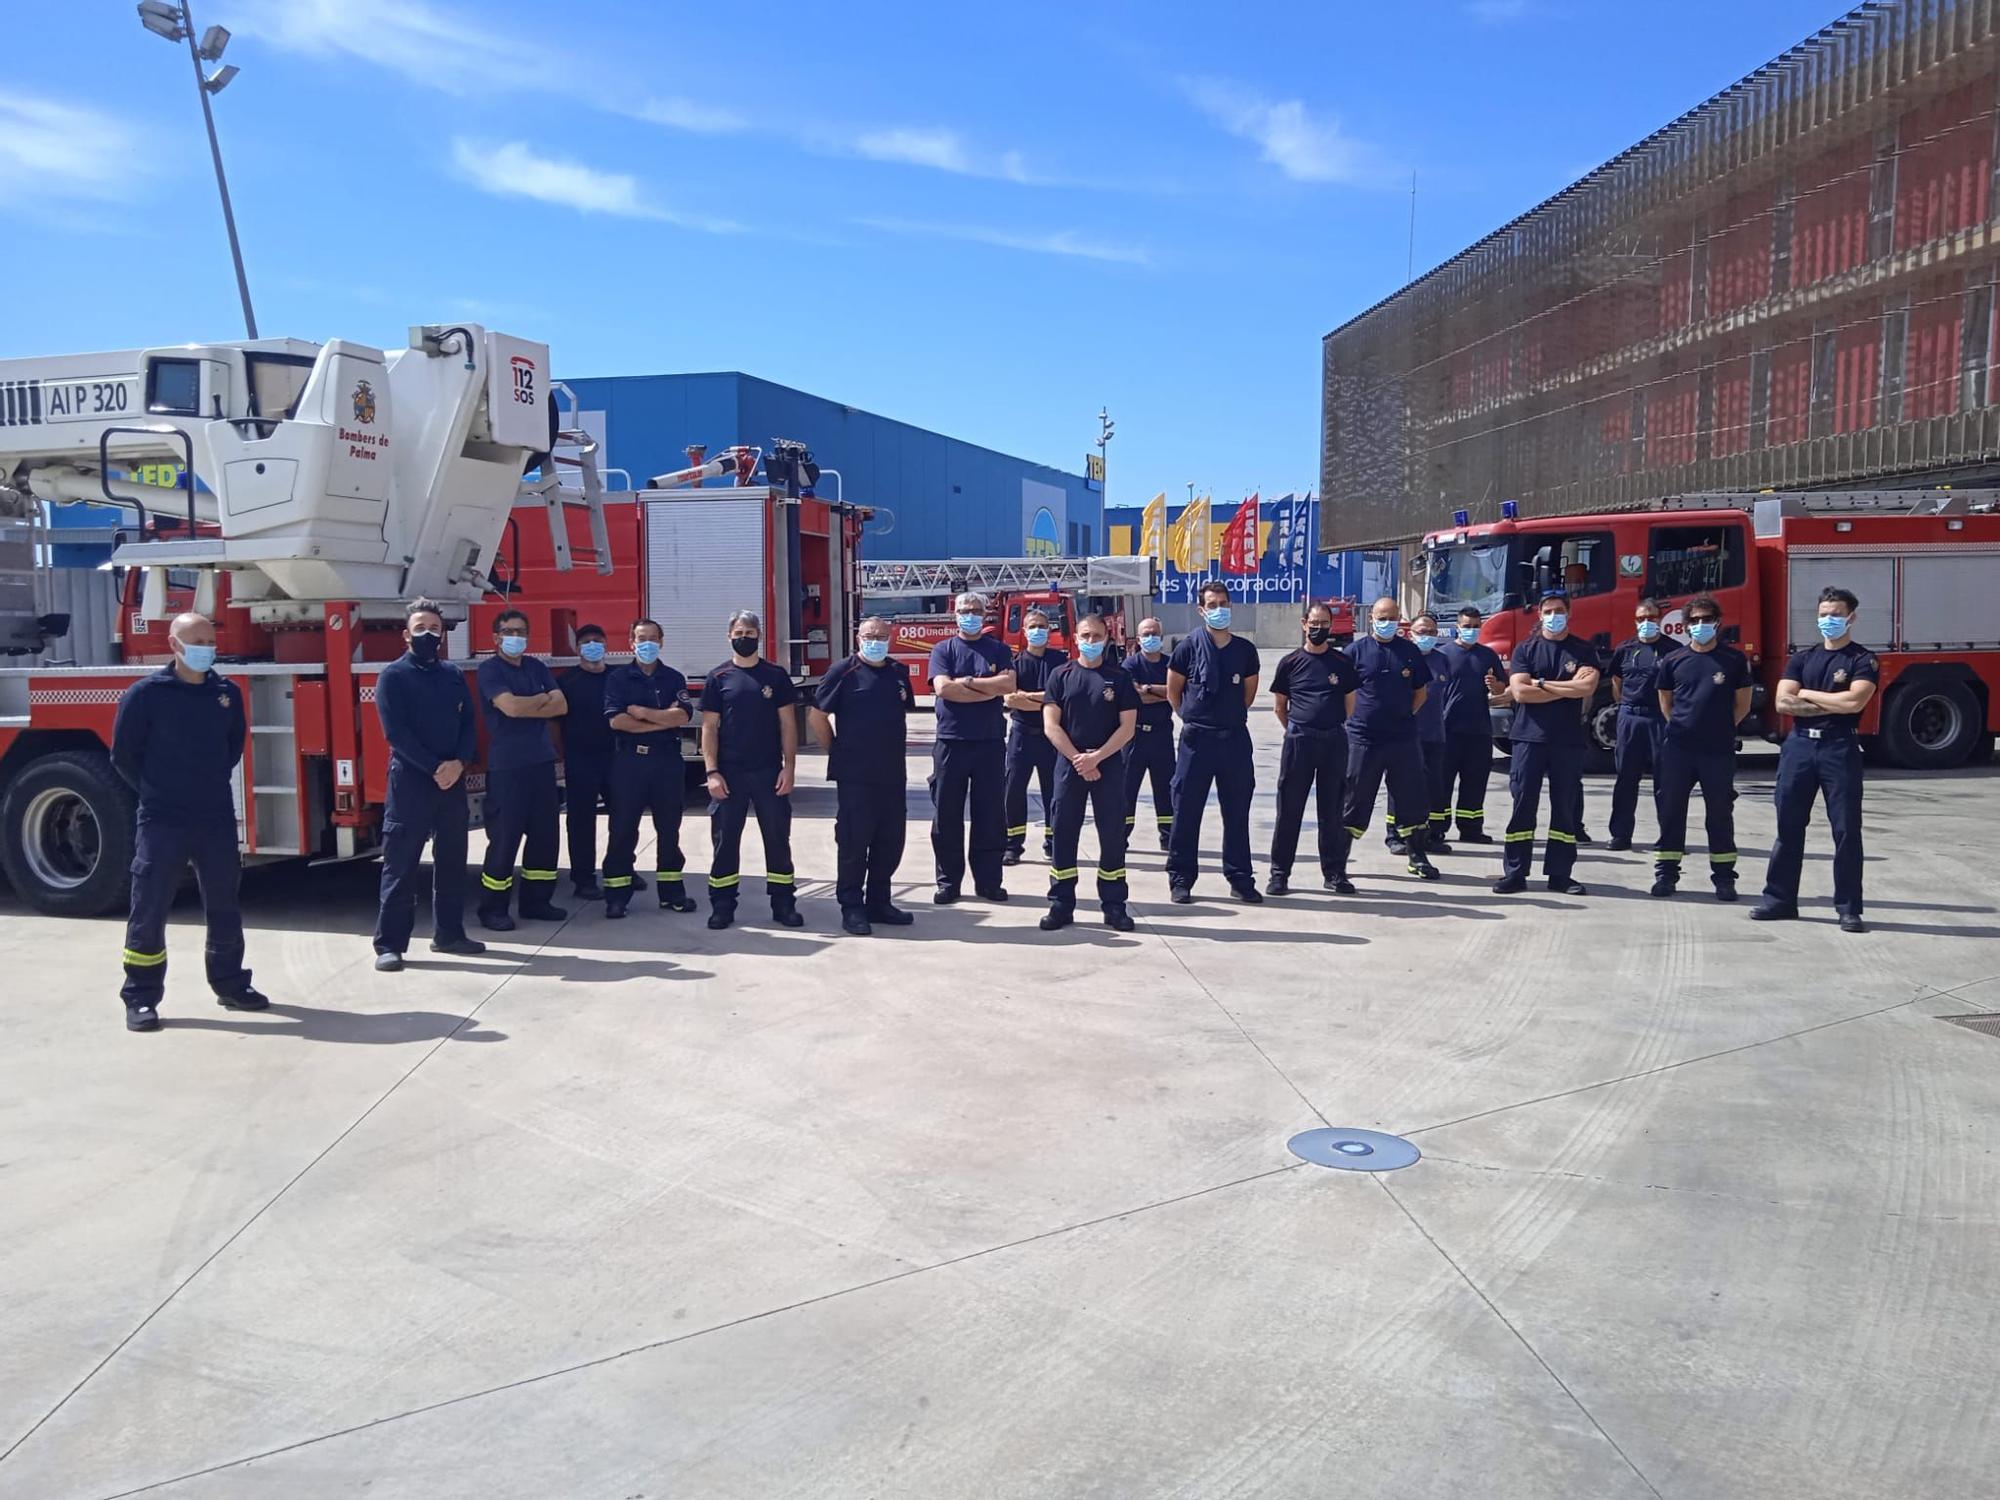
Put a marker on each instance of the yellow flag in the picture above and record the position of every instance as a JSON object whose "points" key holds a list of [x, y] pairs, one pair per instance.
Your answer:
{"points": [[1153, 529], [1191, 554]]}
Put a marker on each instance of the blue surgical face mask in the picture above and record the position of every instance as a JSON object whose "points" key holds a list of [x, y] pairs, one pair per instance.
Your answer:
{"points": [[875, 652], [1701, 632], [591, 651], [1151, 642], [198, 658], [1038, 635], [1092, 652], [647, 652], [1649, 630], [1385, 629], [1468, 635], [513, 645], [1217, 618], [971, 623], [1833, 627], [1555, 624], [1425, 642]]}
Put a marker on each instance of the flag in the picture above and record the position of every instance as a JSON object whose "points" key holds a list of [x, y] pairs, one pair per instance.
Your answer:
{"points": [[1239, 539], [1302, 530], [1190, 542], [1153, 529], [1280, 549]]}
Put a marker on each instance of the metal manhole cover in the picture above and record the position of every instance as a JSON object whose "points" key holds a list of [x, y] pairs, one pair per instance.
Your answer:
{"points": [[1988, 1024], [1353, 1150]]}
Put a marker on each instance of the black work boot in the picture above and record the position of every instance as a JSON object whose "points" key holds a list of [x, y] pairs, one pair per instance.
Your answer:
{"points": [[1057, 917], [1117, 918]]}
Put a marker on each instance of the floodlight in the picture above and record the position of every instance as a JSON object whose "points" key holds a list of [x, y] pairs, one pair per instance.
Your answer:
{"points": [[217, 81], [213, 41], [162, 19]]}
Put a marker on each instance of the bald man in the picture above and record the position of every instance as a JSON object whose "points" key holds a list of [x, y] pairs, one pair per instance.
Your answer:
{"points": [[178, 738]]}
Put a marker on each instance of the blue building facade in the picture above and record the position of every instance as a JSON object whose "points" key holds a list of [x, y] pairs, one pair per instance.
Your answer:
{"points": [[1290, 567], [936, 496]]}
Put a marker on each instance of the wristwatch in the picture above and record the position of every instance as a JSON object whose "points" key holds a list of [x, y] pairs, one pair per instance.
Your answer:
{"points": [[1540, 683]]}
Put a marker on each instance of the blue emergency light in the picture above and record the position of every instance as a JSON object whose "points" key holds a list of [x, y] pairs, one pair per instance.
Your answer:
{"points": [[1461, 518], [1510, 510]]}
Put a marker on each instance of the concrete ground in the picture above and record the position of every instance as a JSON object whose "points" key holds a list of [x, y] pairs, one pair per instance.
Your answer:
{"points": [[1706, 1208]]}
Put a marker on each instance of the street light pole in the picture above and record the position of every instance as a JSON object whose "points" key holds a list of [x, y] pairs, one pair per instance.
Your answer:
{"points": [[1105, 432]]}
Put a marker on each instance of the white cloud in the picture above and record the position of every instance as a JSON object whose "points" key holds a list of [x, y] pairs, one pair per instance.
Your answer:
{"points": [[1068, 242], [515, 170], [940, 148], [50, 149], [691, 115], [420, 41], [1305, 147]]}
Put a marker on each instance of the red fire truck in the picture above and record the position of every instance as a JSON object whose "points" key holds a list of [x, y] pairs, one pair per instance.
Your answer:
{"points": [[1924, 563]]}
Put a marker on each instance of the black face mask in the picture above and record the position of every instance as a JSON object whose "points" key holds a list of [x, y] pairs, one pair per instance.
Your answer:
{"points": [[425, 647], [1319, 635], [743, 645]]}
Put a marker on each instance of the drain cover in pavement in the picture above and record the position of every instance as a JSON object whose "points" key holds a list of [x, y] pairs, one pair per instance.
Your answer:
{"points": [[1353, 1150], [1990, 1024]]}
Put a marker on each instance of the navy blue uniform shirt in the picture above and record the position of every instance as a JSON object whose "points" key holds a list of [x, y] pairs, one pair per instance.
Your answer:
{"points": [[1704, 685], [1090, 700], [870, 707], [750, 700], [426, 713], [1031, 675], [1213, 697], [585, 728], [1466, 710], [1391, 672], [1560, 721], [1315, 688], [1146, 673], [177, 743], [1827, 671], [1637, 665], [959, 657], [514, 743], [663, 687], [1430, 718]]}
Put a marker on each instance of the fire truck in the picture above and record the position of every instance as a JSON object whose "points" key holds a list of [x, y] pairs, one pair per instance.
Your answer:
{"points": [[1065, 588], [1924, 563], [294, 492]]}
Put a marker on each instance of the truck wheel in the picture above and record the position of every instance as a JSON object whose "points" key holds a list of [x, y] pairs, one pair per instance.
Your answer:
{"points": [[1930, 724], [1601, 730], [67, 827]]}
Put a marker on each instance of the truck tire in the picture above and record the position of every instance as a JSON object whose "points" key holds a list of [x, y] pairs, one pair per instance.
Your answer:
{"points": [[1930, 723], [67, 827], [1601, 732]]}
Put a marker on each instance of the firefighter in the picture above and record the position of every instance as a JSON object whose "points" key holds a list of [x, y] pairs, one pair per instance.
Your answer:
{"points": [[1151, 752], [586, 748], [178, 736], [1091, 714], [1824, 689], [1473, 686], [1312, 693], [1430, 744], [1704, 693], [432, 729], [646, 705], [1382, 735], [1636, 668], [750, 743], [970, 674], [1029, 753], [1211, 682], [861, 715], [521, 697], [1551, 677]]}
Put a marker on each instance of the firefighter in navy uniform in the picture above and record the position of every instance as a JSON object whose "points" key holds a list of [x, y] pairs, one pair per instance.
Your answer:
{"points": [[178, 737], [1029, 753], [1551, 677], [522, 804], [750, 743], [1211, 681], [1431, 744], [969, 674], [1311, 693], [586, 749], [1382, 736], [646, 705], [861, 714], [1704, 693], [1091, 714], [1635, 669], [1824, 689], [1474, 684], [1151, 753]]}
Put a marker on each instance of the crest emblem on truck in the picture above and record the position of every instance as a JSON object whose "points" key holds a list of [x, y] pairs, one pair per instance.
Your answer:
{"points": [[364, 403]]}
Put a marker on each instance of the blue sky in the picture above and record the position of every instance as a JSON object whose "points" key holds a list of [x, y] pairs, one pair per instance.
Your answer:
{"points": [[990, 221]]}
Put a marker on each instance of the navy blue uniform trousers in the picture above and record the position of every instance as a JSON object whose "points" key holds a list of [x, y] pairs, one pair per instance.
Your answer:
{"points": [[645, 779], [1809, 768], [1104, 798], [1531, 763], [586, 783], [419, 812], [1150, 753], [1219, 758], [870, 824], [751, 790], [521, 805], [1028, 756], [164, 850], [1401, 764], [1640, 738], [968, 772], [1311, 760], [1468, 766], [1675, 777], [1437, 775]]}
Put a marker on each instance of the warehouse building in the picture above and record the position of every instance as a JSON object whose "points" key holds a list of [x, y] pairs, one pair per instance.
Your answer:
{"points": [[936, 496], [1791, 285]]}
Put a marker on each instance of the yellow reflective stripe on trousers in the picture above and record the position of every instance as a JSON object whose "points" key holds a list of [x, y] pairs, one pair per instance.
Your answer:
{"points": [[1103, 874], [617, 882], [670, 874], [1525, 836], [496, 885], [1722, 859], [1668, 856], [779, 880], [1356, 832], [1165, 820], [1022, 830], [145, 960], [1069, 874], [1561, 837], [538, 874], [1468, 812], [722, 882], [1131, 820]]}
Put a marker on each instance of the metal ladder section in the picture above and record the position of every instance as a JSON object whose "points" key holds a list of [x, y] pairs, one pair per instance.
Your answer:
{"points": [[1921, 502], [946, 574], [558, 498]]}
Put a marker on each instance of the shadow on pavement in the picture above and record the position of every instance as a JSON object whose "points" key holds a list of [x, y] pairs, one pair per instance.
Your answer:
{"points": [[356, 1028]]}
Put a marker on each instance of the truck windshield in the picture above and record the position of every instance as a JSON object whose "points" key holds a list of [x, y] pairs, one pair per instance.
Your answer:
{"points": [[1462, 574]]}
